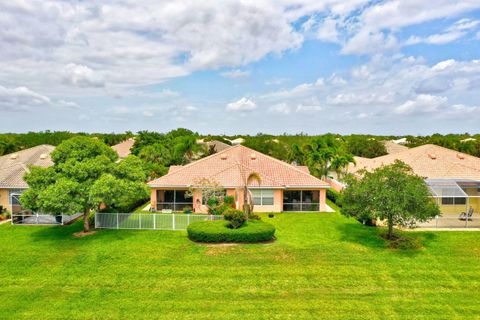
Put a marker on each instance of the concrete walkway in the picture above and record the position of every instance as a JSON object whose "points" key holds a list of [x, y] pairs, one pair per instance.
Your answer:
{"points": [[5, 221]]}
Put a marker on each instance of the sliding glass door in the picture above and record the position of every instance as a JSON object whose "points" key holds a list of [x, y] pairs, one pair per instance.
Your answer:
{"points": [[301, 200]]}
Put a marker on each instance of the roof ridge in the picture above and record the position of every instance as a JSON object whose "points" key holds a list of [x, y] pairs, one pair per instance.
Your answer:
{"points": [[283, 163], [268, 178], [188, 165]]}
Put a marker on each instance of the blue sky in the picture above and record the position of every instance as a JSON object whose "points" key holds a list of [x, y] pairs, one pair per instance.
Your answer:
{"points": [[241, 67]]}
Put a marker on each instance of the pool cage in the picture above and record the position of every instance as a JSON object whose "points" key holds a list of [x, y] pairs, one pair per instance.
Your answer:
{"points": [[458, 200]]}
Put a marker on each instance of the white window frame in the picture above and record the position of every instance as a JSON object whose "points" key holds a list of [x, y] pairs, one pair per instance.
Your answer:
{"points": [[263, 194]]}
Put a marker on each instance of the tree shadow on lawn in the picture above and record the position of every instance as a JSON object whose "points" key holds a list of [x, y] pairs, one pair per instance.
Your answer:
{"points": [[407, 243], [65, 233]]}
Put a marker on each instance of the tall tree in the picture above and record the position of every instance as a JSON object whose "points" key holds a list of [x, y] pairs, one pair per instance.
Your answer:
{"points": [[85, 174], [391, 193]]}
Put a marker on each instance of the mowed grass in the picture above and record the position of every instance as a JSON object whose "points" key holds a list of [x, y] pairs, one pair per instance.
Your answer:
{"points": [[323, 266]]}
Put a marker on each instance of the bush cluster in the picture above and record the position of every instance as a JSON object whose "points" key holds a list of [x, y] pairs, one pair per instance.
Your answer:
{"points": [[219, 231], [235, 217], [334, 196]]}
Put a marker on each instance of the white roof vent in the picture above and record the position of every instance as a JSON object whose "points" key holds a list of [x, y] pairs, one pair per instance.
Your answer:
{"points": [[223, 156], [460, 156], [43, 156], [253, 156], [14, 156], [432, 156]]}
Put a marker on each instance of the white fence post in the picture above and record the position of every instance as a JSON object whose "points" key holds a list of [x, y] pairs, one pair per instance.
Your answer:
{"points": [[140, 221], [173, 221], [96, 220], [188, 220], [117, 220], [154, 221]]}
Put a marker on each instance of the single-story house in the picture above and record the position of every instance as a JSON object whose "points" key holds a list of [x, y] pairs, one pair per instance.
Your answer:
{"points": [[283, 187], [453, 177], [12, 169], [123, 148]]}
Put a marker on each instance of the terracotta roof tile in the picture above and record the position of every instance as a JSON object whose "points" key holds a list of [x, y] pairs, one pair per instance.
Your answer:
{"points": [[14, 166], [123, 148], [231, 166], [429, 161]]}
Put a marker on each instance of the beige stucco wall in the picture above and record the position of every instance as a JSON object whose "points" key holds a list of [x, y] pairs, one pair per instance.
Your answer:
{"points": [[4, 199], [277, 206]]}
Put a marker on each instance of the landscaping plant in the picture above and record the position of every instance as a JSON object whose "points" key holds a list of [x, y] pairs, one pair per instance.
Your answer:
{"points": [[85, 175], [391, 193]]}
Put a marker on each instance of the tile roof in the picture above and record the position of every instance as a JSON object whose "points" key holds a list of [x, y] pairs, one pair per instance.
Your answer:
{"points": [[393, 147], [123, 148], [429, 161], [219, 146], [229, 168], [14, 166]]}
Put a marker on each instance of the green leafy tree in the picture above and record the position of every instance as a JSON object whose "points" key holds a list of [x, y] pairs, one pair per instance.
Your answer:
{"points": [[365, 146], [85, 175], [392, 193]]}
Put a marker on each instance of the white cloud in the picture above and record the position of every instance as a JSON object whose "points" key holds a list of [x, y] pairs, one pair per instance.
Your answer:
{"points": [[20, 98], [243, 104], [442, 65], [308, 108], [423, 103], [236, 73], [82, 76], [280, 108], [328, 30]]}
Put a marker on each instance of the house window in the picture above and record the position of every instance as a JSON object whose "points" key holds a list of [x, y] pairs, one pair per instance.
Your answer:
{"points": [[262, 197], [454, 201]]}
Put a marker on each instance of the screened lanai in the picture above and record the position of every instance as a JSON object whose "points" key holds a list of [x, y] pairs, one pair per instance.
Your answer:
{"points": [[458, 200]]}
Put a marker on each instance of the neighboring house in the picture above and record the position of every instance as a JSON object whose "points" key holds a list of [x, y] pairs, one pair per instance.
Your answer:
{"points": [[12, 169], [123, 148], [218, 145], [237, 141], [453, 177], [284, 187], [393, 147]]}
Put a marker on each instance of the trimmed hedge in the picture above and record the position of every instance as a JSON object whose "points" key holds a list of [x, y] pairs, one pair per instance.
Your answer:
{"points": [[218, 231]]}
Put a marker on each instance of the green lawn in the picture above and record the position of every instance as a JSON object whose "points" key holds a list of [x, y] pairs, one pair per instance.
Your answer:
{"points": [[321, 266]]}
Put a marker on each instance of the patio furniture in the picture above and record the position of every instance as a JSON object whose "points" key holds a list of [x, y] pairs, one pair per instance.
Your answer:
{"points": [[466, 215], [167, 211]]}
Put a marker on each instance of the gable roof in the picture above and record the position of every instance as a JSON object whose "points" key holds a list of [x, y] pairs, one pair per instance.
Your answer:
{"points": [[230, 168], [429, 161], [13, 166], [123, 148]]}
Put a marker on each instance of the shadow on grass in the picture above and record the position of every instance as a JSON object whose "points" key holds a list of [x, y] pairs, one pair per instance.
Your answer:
{"points": [[407, 243], [63, 233]]}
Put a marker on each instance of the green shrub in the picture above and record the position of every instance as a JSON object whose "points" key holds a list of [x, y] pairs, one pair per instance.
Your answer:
{"points": [[187, 209], [218, 210], [212, 202], [229, 201], [235, 217], [219, 231], [334, 196]]}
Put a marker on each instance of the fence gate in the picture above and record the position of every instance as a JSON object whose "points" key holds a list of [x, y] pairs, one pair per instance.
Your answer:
{"points": [[149, 221]]}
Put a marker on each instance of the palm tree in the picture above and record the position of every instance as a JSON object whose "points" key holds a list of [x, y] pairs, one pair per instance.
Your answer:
{"points": [[247, 197], [340, 162]]}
